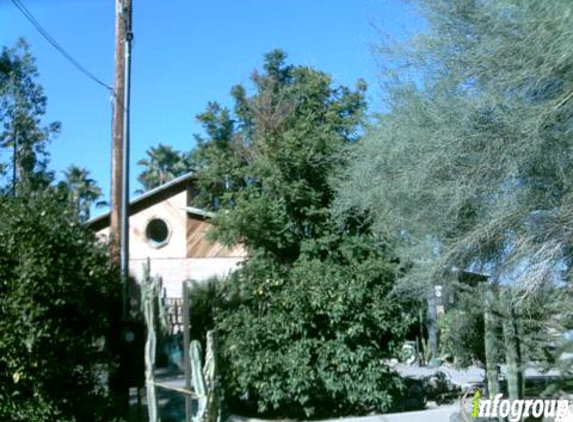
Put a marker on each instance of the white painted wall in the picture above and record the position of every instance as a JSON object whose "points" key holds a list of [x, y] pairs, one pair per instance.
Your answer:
{"points": [[174, 271]]}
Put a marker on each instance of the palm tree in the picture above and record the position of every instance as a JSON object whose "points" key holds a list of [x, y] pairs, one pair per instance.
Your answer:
{"points": [[82, 191], [162, 164]]}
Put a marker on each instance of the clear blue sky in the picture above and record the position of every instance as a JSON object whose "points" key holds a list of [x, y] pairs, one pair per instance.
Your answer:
{"points": [[186, 53]]}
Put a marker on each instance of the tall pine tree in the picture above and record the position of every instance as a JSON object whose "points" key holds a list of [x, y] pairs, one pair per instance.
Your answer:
{"points": [[22, 135]]}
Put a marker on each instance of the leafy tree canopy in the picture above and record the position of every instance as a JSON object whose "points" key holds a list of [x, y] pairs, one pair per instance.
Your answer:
{"points": [[22, 106], [81, 190], [57, 295], [268, 164], [162, 164], [315, 318], [471, 166], [25, 140]]}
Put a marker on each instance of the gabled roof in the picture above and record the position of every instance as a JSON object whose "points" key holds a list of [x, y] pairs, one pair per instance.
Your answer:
{"points": [[152, 197]]}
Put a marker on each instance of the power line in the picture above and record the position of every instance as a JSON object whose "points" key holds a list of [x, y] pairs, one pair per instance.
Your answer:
{"points": [[28, 15]]}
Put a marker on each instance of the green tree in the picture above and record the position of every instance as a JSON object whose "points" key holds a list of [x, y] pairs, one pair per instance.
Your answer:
{"points": [[4, 66], [219, 158], [315, 318], [470, 167], [162, 165], [22, 106], [278, 156], [310, 338], [470, 164], [82, 190], [58, 294], [4, 74]]}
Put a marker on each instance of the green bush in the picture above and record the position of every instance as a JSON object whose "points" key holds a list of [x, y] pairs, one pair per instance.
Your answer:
{"points": [[462, 336], [315, 318], [57, 292], [310, 341], [208, 299]]}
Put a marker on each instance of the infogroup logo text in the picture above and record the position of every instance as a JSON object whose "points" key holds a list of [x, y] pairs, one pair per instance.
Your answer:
{"points": [[514, 410]]}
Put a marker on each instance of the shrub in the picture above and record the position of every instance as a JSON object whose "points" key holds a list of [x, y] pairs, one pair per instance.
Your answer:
{"points": [[462, 336], [208, 300], [310, 340], [57, 294]]}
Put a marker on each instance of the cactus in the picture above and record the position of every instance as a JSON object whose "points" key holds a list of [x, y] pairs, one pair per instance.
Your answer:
{"points": [[512, 351], [490, 340], [150, 301], [432, 326], [426, 352], [203, 379]]}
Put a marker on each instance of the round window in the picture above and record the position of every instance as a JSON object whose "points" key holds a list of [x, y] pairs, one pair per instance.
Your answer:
{"points": [[157, 231]]}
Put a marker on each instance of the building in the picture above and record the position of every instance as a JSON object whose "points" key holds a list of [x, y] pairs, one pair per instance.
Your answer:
{"points": [[165, 228]]}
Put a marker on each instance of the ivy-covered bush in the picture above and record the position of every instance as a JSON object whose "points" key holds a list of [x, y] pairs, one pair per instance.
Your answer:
{"points": [[310, 340], [57, 297]]}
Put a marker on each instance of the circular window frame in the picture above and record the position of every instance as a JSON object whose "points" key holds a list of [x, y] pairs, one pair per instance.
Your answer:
{"points": [[153, 243]]}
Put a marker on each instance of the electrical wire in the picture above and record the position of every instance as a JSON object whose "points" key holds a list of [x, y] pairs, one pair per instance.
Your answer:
{"points": [[28, 15]]}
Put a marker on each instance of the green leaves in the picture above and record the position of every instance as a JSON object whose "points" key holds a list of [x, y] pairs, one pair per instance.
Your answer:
{"points": [[81, 190], [57, 295], [268, 165], [470, 165], [162, 165], [314, 319], [311, 342], [22, 106]]}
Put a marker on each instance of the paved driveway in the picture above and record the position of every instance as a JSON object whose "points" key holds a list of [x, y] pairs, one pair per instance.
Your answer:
{"points": [[441, 414]]}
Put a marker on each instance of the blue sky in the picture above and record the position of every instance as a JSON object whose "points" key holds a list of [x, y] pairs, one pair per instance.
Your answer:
{"points": [[186, 53]]}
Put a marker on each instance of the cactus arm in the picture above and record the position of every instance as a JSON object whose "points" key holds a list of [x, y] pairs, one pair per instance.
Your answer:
{"points": [[149, 293], [204, 380], [209, 373], [198, 381]]}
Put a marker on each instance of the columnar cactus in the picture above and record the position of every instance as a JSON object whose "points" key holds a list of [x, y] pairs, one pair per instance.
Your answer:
{"points": [[490, 340], [512, 351], [151, 299], [203, 379]]}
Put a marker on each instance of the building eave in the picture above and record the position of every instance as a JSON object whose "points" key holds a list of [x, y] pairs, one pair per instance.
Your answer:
{"points": [[102, 220]]}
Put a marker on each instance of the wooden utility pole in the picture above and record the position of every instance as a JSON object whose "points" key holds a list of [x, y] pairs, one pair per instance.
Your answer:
{"points": [[120, 149], [119, 218], [117, 135]]}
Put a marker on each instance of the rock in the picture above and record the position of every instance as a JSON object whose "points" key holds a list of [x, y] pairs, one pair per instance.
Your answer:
{"points": [[439, 388], [415, 398], [392, 362], [435, 363]]}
